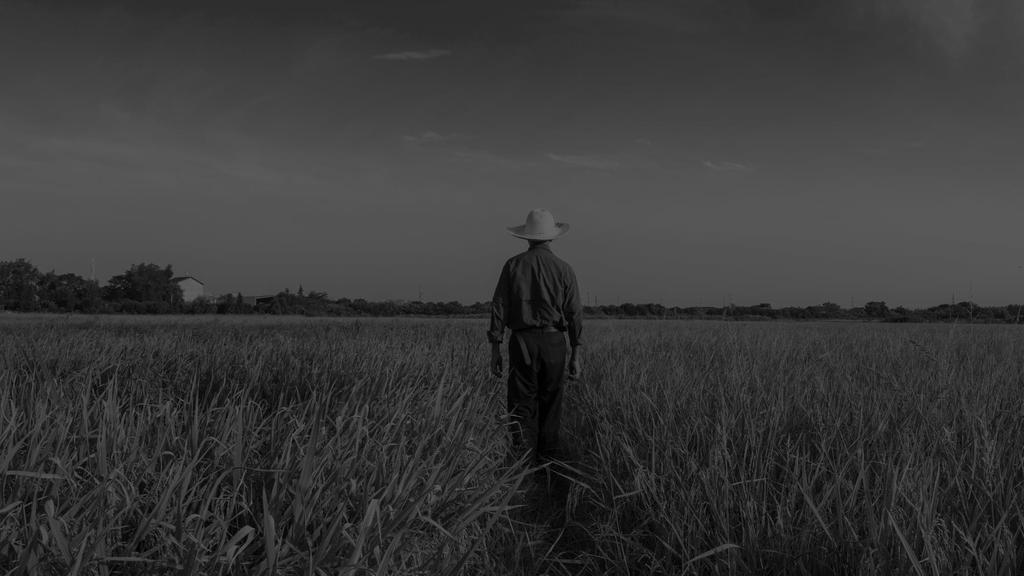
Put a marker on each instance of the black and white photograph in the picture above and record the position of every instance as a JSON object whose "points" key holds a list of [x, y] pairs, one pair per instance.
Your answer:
{"points": [[511, 287]]}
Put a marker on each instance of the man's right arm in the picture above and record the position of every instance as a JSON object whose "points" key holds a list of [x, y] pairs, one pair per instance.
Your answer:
{"points": [[499, 307], [496, 332]]}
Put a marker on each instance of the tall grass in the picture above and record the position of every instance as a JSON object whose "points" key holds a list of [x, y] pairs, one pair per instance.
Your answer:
{"points": [[258, 449], [257, 446], [821, 449]]}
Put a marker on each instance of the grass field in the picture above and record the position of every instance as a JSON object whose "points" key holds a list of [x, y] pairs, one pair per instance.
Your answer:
{"points": [[303, 446]]}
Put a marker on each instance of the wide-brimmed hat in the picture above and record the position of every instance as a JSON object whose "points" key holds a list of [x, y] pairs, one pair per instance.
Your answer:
{"points": [[540, 225]]}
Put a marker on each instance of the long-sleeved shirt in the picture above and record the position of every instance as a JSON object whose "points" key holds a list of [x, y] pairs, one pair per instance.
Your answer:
{"points": [[536, 289]]}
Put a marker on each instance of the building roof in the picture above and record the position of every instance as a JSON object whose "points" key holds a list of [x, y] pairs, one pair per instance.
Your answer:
{"points": [[180, 278]]}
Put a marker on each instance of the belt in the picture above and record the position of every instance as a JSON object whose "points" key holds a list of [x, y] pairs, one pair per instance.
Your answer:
{"points": [[522, 345]]}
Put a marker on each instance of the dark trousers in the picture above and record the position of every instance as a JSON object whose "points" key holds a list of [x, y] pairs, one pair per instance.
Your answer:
{"points": [[536, 373]]}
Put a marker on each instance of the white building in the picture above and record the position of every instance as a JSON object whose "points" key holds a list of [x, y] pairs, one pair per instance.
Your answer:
{"points": [[190, 288]]}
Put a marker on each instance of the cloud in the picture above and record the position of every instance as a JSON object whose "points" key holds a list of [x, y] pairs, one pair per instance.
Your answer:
{"points": [[952, 25], [490, 159], [430, 137], [585, 161], [948, 28], [414, 55], [897, 147], [725, 166]]}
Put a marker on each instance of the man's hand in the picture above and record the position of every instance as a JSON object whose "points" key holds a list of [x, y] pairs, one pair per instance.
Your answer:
{"points": [[576, 364], [496, 368]]}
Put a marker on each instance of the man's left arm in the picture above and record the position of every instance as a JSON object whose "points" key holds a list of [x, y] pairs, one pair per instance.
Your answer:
{"points": [[573, 310]]}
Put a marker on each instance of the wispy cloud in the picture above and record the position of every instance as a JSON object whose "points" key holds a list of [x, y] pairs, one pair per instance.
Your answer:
{"points": [[430, 137], [897, 147], [464, 149], [726, 166], [594, 162], [952, 25], [487, 159], [415, 55]]}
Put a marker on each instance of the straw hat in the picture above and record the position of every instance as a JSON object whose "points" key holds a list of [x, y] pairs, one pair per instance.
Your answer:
{"points": [[540, 225]]}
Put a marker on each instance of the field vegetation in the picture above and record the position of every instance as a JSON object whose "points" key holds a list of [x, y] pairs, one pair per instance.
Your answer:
{"points": [[219, 445]]}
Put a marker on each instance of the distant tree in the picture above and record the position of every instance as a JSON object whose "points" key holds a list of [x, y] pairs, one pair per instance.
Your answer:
{"points": [[966, 309], [201, 305], [1001, 313], [876, 310], [68, 293], [19, 285], [832, 310], [611, 310], [815, 312], [146, 283], [652, 309], [793, 312], [226, 304], [279, 306]]}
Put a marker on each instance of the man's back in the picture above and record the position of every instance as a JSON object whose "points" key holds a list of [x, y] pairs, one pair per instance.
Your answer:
{"points": [[536, 290]]}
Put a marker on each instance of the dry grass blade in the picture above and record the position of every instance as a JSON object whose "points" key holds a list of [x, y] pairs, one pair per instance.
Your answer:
{"points": [[716, 550], [270, 547], [911, 555]]}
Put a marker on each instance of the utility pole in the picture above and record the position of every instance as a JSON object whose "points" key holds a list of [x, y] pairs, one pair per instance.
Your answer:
{"points": [[970, 299], [1017, 321]]}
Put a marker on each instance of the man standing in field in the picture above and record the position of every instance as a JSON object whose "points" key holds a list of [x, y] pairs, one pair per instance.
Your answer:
{"points": [[538, 299]]}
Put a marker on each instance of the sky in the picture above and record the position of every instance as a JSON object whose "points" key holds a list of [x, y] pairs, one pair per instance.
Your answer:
{"points": [[703, 151]]}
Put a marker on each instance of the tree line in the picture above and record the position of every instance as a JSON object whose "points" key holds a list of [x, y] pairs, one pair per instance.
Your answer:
{"points": [[871, 311], [143, 288], [147, 288]]}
